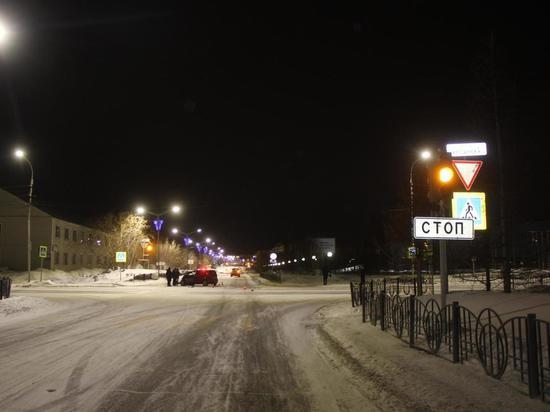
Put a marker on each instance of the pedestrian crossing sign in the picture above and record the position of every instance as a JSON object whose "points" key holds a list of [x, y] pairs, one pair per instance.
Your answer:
{"points": [[471, 205], [120, 257]]}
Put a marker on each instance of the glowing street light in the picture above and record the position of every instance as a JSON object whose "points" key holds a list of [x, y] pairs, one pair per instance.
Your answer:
{"points": [[140, 210], [175, 231], [208, 240], [329, 254], [5, 34], [425, 155], [176, 209]]}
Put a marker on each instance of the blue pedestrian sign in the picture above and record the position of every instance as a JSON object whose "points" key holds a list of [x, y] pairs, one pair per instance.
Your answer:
{"points": [[471, 205]]}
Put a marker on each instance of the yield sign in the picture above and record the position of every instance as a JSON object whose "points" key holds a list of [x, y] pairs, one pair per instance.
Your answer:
{"points": [[467, 171]]}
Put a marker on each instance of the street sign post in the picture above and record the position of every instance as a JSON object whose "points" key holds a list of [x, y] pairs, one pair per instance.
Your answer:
{"points": [[120, 257], [470, 205], [467, 149], [467, 171], [443, 228], [42, 253]]}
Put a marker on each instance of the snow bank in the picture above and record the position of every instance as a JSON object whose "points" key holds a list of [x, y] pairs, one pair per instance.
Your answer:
{"points": [[84, 276], [24, 307], [397, 377]]}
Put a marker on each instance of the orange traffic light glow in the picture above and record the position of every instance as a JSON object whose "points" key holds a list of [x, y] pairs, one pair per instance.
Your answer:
{"points": [[149, 248], [446, 174]]}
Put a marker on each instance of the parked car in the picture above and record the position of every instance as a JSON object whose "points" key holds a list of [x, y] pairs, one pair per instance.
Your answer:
{"points": [[236, 272], [188, 278], [206, 277], [201, 276]]}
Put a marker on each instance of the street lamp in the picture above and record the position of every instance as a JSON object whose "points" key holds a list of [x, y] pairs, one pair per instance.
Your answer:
{"points": [[175, 209], [5, 34], [20, 154], [425, 156], [175, 231]]}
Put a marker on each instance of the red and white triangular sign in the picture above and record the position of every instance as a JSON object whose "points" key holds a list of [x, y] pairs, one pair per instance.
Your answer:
{"points": [[467, 171]]}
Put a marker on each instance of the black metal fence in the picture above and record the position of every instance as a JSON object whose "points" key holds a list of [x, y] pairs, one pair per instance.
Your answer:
{"points": [[519, 346], [5, 287]]}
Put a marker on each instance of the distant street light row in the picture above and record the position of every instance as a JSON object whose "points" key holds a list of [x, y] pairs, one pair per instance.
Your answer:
{"points": [[273, 258], [176, 209]]}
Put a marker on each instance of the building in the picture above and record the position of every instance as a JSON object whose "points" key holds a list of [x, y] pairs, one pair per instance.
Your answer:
{"points": [[70, 246]]}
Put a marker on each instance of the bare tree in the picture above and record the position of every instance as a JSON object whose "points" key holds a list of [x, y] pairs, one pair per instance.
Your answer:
{"points": [[123, 232], [175, 255]]}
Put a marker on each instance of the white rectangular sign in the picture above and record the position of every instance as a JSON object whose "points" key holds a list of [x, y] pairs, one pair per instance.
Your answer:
{"points": [[444, 228], [467, 149]]}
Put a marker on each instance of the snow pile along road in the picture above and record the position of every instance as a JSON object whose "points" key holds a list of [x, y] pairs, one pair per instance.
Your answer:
{"points": [[24, 306]]}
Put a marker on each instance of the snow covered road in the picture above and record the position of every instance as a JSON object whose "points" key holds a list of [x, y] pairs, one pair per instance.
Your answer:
{"points": [[242, 346], [157, 348]]}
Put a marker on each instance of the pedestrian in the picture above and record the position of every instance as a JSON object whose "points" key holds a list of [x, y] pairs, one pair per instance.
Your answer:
{"points": [[169, 276], [325, 274], [175, 277]]}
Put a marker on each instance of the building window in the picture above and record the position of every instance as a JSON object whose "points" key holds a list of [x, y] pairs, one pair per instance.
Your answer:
{"points": [[74, 235], [57, 232], [56, 258], [65, 258], [89, 260], [66, 234], [105, 260], [98, 260], [74, 259], [81, 260]]}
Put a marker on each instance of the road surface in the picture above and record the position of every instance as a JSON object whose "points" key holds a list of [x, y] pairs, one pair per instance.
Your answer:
{"points": [[236, 347]]}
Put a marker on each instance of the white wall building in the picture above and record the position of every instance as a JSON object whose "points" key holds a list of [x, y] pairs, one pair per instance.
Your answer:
{"points": [[70, 246]]}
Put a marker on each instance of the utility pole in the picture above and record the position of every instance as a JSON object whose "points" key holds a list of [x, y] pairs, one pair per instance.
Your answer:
{"points": [[498, 138]]}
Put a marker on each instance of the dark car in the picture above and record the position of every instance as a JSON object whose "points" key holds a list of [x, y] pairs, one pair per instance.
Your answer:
{"points": [[203, 277], [188, 278], [206, 277]]}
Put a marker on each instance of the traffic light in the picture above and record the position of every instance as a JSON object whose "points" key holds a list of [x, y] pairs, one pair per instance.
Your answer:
{"points": [[441, 180]]}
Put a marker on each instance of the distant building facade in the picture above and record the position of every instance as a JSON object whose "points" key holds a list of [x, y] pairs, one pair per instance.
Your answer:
{"points": [[70, 245]]}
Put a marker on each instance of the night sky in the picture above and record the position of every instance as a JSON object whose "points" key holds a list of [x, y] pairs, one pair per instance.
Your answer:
{"points": [[268, 121]]}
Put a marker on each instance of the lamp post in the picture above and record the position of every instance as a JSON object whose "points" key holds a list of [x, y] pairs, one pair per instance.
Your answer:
{"points": [[425, 155], [20, 154], [140, 210]]}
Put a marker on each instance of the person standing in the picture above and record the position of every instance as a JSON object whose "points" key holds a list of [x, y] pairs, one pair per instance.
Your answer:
{"points": [[175, 277], [169, 276], [325, 274]]}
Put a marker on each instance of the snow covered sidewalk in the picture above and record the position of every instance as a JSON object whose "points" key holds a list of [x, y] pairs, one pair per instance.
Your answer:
{"points": [[82, 277], [396, 377]]}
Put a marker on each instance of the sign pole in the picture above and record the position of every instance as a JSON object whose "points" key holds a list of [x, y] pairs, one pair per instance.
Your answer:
{"points": [[443, 277], [41, 265]]}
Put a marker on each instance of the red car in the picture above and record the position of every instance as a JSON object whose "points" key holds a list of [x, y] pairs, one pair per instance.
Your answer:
{"points": [[206, 277]]}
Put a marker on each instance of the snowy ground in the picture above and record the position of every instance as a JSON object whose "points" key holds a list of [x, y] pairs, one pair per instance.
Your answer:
{"points": [[241, 346], [397, 377]]}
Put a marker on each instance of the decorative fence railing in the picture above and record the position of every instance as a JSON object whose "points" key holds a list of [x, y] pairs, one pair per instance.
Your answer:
{"points": [[5, 287], [520, 345]]}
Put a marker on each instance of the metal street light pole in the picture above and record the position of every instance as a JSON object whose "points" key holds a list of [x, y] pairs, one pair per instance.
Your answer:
{"points": [[158, 226], [20, 154], [424, 155]]}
